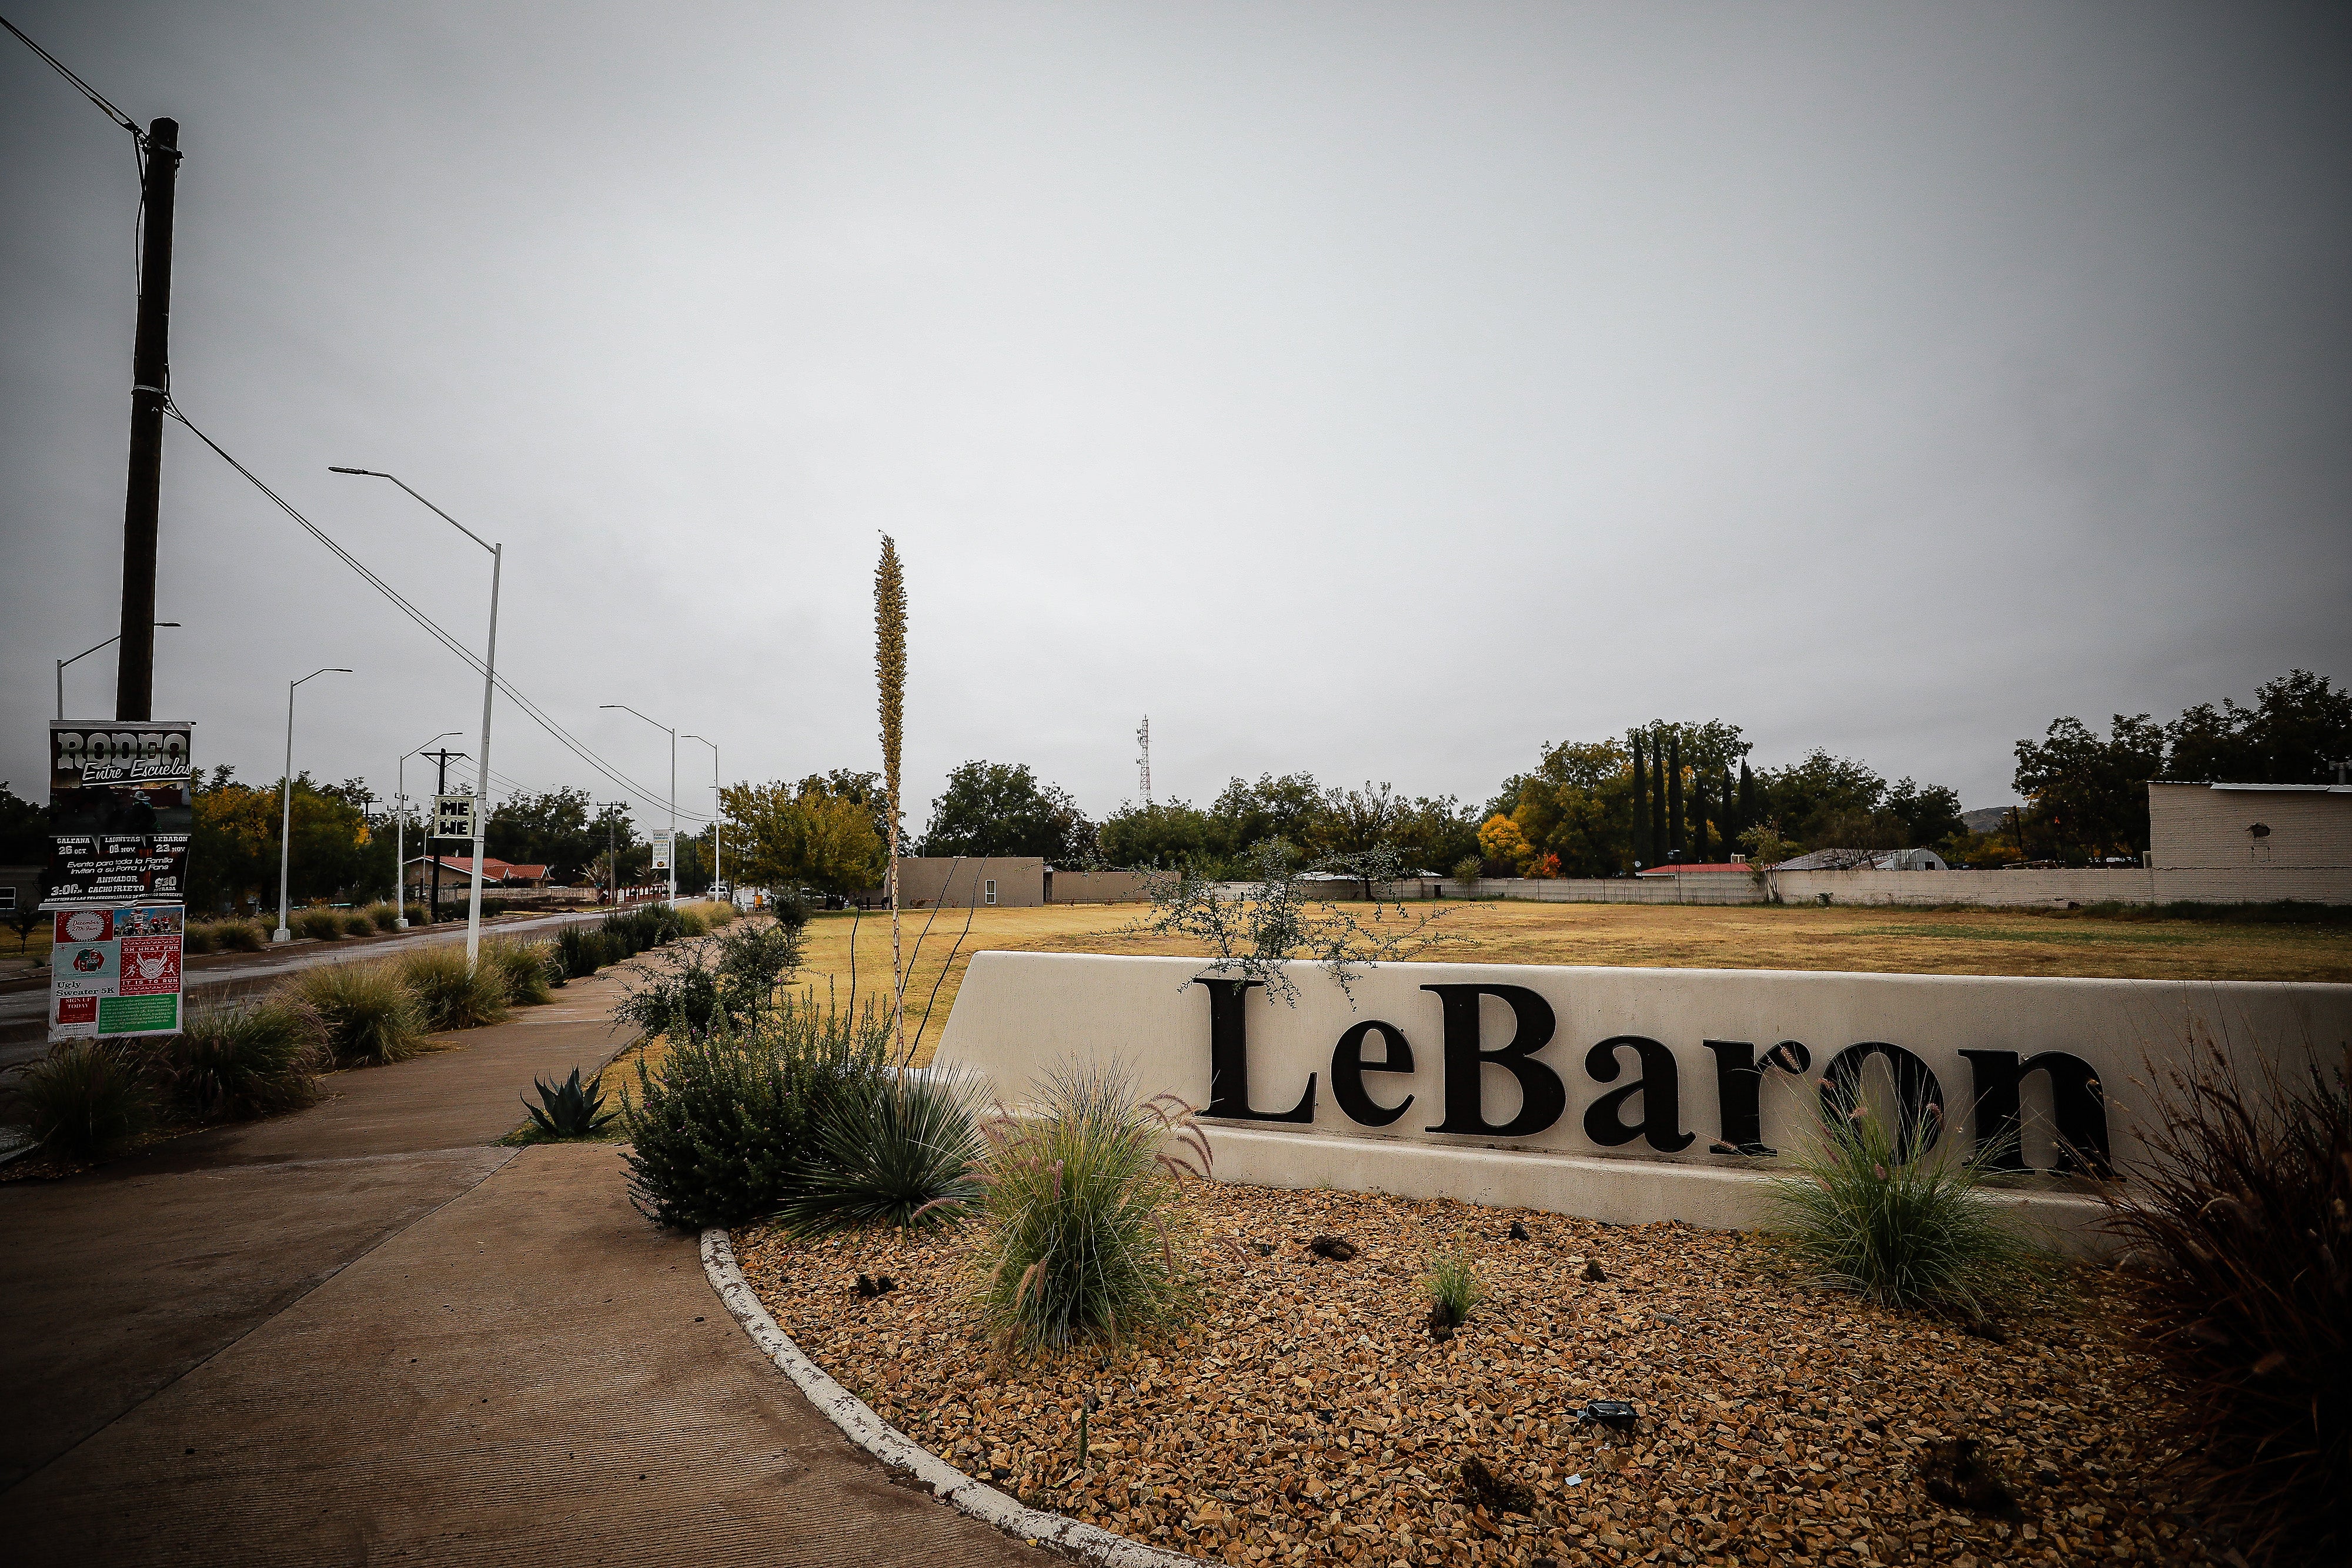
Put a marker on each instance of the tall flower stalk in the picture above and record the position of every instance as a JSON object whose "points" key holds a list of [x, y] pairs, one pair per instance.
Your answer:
{"points": [[890, 671]]}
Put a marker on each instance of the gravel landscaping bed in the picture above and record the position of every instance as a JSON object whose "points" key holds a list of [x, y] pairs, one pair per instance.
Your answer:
{"points": [[1309, 1415]]}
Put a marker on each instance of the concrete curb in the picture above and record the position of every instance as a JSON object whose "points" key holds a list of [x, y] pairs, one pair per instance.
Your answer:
{"points": [[1087, 1542]]}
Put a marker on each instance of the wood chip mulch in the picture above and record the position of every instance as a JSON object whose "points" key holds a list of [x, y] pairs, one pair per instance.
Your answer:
{"points": [[1309, 1416]]}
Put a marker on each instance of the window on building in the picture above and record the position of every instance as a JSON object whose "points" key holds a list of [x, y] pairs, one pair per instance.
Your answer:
{"points": [[989, 896], [7, 898]]}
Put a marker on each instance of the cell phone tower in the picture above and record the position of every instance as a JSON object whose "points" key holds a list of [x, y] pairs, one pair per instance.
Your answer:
{"points": [[1143, 758]]}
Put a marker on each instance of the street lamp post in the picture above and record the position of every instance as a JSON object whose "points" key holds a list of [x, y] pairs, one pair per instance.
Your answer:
{"points": [[673, 792], [85, 653], [400, 831], [286, 788], [718, 813], [490, 688]]}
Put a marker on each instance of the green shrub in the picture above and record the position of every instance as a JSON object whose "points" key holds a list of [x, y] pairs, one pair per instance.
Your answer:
{"points": [[85, 1099], [236, 1062], [1897, 1226], [1468, 869], [197, 938], [1453, 1289], [893, 1150], [320, 923], [2241, 1220], [450, 996], [724, 982], [569, 1110], [240, 936], [630, 932], [366, 1011], [384, 916], [726, 1132], [1083, 1239], [524, 965]]}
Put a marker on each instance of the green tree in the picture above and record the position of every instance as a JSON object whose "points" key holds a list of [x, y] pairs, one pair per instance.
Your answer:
{"points": [[1160, 834], [24, 830], [2299, 728], [1579, 805], [778, 836], [553, 829], [1247, 815], [233, 845], [999, 809], [2089, 792]]}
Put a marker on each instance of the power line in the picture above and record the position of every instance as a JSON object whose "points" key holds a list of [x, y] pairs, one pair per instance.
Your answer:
{"points": [[530, 710], [80, 86]]}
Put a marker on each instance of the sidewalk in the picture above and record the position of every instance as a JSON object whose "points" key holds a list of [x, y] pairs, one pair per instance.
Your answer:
{"points": [[362, 1333]]}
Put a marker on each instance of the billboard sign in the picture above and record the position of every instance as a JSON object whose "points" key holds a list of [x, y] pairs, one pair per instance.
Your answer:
{"points": [[122, 805], [115, 971], [452, 817], [661, 838]]}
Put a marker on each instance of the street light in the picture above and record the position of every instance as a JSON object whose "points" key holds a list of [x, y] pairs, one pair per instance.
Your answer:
{"points": [[85, 653], [285, 786], [717, 804], [489, 686], [400, 833], [673, 791]]}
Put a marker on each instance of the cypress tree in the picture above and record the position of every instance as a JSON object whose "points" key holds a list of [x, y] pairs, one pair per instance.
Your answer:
{"points": [[1641, 810], [1729, 814], [1673, 794], [1747, 798], [1657, 799], [1698, 818]]}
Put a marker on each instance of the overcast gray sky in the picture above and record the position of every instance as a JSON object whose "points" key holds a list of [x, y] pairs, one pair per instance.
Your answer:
{"points": [[1378, 390]]}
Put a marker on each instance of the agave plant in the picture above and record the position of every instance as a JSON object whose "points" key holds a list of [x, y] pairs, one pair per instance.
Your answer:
{"points": [[569, 1110]]}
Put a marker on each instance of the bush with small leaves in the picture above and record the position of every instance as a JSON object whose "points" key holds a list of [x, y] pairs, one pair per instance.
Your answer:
{"points": [[248, 1059], [86, 1098], [450, 996], [370, 1015]]}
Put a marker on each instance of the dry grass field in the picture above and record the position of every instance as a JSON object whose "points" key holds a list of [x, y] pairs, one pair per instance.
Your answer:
{"points": [[1744, 936]]}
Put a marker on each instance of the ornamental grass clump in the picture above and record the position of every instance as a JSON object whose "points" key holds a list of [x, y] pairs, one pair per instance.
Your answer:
{"points": [[1872, 1208], [370, 1015], [358, 922], [1082, 1238], [234, 1063], [892, 1150], [382, 916], [1453, 1288], [2240, 1223], [85, 1099], [240, 936], [524, 965], [320, 923], [449, 994]]}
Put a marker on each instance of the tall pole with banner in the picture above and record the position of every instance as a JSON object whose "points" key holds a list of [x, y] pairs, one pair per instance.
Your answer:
{"points": [[121, 806]]}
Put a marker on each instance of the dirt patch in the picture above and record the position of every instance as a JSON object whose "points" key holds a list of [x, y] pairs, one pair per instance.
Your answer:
{"points": [[1312, 1416]]}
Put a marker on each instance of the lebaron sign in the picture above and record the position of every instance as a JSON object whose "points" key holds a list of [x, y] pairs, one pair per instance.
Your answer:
{"points": [[1627, 1095]]}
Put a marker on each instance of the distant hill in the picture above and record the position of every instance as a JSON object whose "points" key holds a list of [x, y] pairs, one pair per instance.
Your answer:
{"points": [[1987, 819]]}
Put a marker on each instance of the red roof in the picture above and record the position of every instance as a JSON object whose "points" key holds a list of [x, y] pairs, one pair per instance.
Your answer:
{"points": [[493, 868]]}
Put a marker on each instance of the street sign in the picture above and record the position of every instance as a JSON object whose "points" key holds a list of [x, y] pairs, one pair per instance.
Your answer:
{"points": [[115, 972], [452, 817], [661, 838]]}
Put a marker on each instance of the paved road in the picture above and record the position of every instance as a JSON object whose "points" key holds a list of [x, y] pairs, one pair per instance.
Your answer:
{"points": [[363, 1332], [24, 1014]]}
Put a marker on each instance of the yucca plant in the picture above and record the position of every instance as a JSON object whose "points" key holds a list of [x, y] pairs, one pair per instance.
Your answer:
{"points": [[370, 1015], [234, 1063], [1897, 1225], [522, 965], [891, 1151], [85, 1099], [1082, 1238], [2240, 1217], [1453, 1288], [570, 1109], [449, 995]]}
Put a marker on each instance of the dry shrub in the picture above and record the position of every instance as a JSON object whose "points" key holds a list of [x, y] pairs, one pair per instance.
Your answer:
{"points": [[320, 923], [2239, 1222]]}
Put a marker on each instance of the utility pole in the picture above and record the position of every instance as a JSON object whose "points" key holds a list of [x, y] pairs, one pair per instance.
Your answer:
{"points": [[441, 760], [151, 376]]}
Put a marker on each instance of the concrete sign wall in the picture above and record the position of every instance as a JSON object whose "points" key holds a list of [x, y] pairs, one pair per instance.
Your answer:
{"points": [[1626, 1094]]}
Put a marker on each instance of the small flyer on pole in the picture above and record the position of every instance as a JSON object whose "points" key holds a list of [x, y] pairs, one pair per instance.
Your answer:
{"points": [[115, 972]]}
